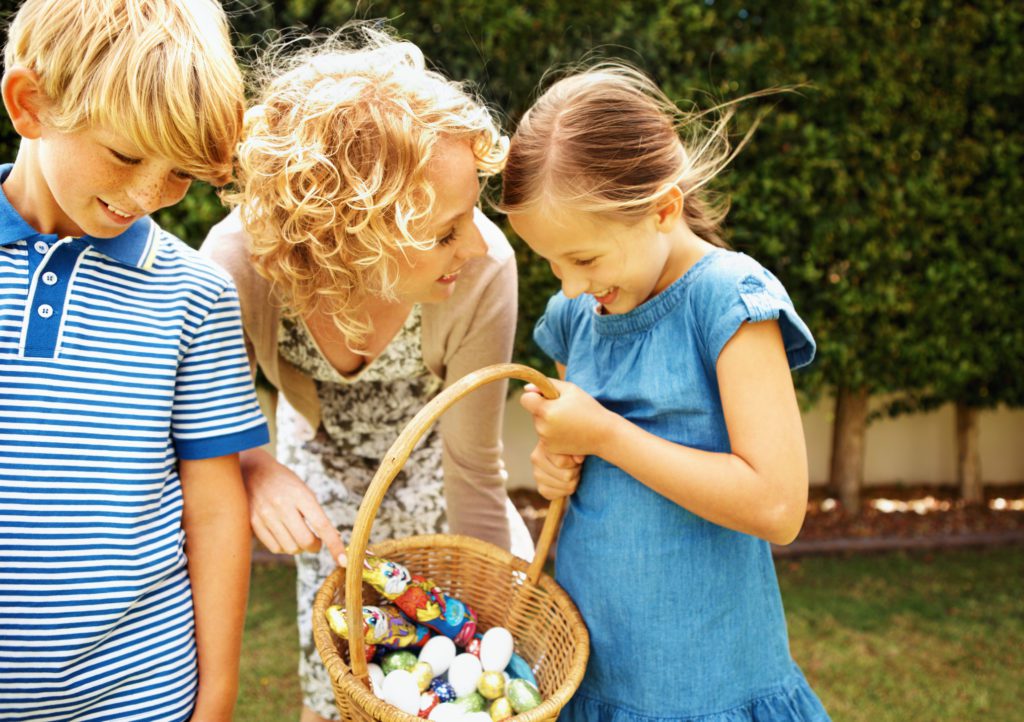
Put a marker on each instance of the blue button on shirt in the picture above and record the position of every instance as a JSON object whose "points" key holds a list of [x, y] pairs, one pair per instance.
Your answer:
{"points": [[685, 616]]}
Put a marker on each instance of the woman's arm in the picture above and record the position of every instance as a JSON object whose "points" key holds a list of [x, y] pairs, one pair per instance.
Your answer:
{"points": [[760, 488], [285, 515], [218, 544], [474, 471]]}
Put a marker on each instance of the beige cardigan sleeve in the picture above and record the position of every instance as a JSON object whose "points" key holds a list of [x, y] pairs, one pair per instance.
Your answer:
{"points": [[227, 245], [475, 328]]}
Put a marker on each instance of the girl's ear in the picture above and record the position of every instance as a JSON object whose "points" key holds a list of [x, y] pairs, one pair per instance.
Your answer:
{"points": [[670, 208], [23, 100]]}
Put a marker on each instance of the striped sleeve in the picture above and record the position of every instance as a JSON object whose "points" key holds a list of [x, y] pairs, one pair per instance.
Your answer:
{"points": [[215, 408]]}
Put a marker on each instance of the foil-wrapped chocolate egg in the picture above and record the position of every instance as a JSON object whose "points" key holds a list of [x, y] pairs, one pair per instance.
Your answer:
{"points": [[501, 709], [491, 685], [445, 691], [422, 673]]}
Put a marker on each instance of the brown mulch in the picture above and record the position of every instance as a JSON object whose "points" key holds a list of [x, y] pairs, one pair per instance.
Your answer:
{"points": [[903, 517]]}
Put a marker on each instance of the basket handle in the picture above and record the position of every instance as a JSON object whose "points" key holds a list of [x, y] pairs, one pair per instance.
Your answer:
{"points": [[393, 462]]}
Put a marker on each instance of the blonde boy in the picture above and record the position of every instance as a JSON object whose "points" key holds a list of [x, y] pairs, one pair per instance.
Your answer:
{"points": [[125, 393]]}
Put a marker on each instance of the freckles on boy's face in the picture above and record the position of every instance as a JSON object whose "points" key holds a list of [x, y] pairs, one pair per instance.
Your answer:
{"points": [[98, 183]]}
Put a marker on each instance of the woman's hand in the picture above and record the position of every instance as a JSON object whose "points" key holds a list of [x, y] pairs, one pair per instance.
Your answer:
{"points": [[574, 424], [557, 475], [284, 513]]}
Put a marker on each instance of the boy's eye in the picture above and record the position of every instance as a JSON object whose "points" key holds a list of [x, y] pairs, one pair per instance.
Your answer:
{"points": [[124, 158]]}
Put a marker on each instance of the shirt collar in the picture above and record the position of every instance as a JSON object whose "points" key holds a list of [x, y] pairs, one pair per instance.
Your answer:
{"points": [[135, 247]]}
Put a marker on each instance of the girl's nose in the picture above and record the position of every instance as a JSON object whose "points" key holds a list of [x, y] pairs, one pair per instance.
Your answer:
{"points": [[572, 286]]}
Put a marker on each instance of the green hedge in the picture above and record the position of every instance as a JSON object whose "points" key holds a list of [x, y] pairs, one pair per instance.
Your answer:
{"points": [[884, 194]]}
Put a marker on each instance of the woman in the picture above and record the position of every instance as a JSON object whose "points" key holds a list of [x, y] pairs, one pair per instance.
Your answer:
{"points": [[369, 280]]}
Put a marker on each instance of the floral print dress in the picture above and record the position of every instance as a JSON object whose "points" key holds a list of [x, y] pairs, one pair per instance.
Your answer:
{"points": [[361, 416]]}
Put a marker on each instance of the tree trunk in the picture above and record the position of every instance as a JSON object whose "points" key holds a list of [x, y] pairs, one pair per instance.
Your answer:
{"points": [[968, 458], [847, 472]]}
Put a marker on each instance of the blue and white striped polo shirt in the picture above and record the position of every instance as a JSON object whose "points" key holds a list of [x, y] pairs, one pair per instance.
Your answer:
{"points": [[117, 358]]}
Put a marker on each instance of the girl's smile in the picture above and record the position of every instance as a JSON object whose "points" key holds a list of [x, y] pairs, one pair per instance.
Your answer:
{"points": [[621, 265]]}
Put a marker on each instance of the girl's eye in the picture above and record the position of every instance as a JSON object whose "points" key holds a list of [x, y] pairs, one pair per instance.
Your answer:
{"points": [[447, 239], [582, 261], [182, 175]]}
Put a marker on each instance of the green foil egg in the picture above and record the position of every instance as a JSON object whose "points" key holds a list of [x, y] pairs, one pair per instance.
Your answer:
{"points": [[472, 702], [399, 659], [523, 695]]}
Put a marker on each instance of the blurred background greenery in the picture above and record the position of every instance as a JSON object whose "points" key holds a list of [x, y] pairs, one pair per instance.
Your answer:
{"points": [[885, 194]]}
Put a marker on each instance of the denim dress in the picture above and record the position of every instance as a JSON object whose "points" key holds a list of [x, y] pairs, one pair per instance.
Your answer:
{"points": [[685, 616]]}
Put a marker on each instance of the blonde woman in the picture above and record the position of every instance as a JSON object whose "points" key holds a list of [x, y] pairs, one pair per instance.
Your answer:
{"points": [[369, 280]]}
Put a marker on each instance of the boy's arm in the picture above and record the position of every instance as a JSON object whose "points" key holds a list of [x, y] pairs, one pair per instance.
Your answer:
{"points": [[218, 545]]}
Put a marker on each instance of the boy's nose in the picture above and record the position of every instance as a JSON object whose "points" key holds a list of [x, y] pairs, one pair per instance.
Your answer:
{"points": [[147, 194], [155, 189]]}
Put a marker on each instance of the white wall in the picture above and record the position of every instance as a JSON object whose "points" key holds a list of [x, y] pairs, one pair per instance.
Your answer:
{"points": [[915, 449]]}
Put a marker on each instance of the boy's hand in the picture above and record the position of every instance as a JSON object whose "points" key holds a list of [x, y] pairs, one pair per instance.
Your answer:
{"points": [[284, 513], [557, 475], [574, 424]]}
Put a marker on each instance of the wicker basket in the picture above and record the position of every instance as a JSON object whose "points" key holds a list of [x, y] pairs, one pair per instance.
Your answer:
{"points": [[503, 589]]}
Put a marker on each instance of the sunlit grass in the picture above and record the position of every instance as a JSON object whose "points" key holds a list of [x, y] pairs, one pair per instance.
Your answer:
{"points": [[899, 637], [269, 687], [882, 637]]}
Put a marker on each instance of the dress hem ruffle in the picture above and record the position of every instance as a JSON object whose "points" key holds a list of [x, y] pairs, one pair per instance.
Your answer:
{"points": [[791, 702]]}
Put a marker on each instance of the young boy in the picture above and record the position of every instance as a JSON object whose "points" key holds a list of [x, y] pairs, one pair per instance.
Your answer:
{"points": [[125, 392]]}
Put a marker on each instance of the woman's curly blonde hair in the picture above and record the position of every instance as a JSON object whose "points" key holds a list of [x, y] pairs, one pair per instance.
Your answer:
{"points": [[331, 171]]}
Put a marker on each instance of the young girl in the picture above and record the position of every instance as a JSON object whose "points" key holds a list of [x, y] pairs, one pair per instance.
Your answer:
{"points": [[678, 402]]}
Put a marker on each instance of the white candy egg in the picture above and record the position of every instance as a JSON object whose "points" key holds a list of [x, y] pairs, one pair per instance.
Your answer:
{"points": [[438, 652], [400, 690], [446, 712], [464, 673], [376, 679], [476, 717], [496, 649]]}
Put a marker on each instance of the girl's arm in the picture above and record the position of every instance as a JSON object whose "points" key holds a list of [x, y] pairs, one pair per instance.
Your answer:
{"points": [[218, 545], [760, 488]]}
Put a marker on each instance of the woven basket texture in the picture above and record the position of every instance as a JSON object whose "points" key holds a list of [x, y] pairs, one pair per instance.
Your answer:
{"points": [[503, 590]]}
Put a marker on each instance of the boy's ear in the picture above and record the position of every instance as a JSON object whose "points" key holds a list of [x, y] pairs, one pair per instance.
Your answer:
{"points": [[23, 99], [670, 208]]}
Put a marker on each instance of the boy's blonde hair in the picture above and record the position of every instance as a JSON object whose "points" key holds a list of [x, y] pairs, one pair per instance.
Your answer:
{"points": [[607, 140], [331, 172], [160, 72]]}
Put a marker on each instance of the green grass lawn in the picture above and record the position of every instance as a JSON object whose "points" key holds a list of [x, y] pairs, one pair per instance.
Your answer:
{"points": [[882, 638]]}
